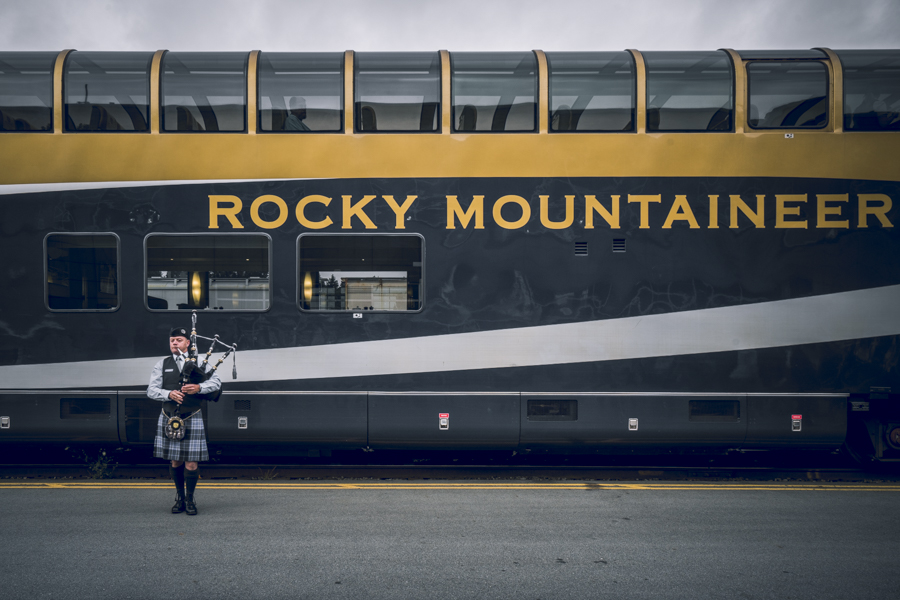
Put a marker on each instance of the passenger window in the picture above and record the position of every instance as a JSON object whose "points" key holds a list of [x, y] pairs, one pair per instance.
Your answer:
{"points": [[689, 91], [591, 91], [26, 91], [204, 91], [82, 271], [398, 91], [871, 89], [208, 271], [108, 91], [494, 91], [787, 94], [300, 92], [360, 272]]}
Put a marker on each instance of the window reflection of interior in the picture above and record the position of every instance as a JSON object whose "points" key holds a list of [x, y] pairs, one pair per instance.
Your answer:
{"points": [[208, 272], [204, 91], [689, 91], [787, 95], [591, 91], [494, 91], [308, 86], [398, 91], [82, 272], [26, 91], [375, 291], [107, 91], [871, 89], [360, 272]]}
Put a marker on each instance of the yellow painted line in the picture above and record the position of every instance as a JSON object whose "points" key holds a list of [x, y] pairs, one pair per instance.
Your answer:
{"points": [[428, 486]]}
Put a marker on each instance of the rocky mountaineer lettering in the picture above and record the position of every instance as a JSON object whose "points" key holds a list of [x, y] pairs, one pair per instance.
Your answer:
{"points": [[512, 211]]}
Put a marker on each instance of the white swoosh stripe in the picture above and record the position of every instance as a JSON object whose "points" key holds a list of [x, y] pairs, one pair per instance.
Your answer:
{"points": [[829, 318]]}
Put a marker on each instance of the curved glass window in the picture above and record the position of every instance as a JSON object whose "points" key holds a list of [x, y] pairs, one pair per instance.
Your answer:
{"points": [[107, 91], [398, 91], [204, 91], [494, 91], [689, 91], [787, 95], [871, 89], [749, 55], [301, 91], [26, 91], [359, 272], [208, 271], [591, 91]]}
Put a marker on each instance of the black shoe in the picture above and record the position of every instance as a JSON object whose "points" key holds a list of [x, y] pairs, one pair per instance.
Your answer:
{"points": [[178, 507], [191, 507]]}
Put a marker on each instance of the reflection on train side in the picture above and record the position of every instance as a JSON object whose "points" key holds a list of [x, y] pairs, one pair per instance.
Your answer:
{"points": [[491, 92]]}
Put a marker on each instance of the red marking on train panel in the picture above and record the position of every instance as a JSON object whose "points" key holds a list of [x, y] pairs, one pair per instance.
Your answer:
{"points": [[444, 415], [796, 417]]}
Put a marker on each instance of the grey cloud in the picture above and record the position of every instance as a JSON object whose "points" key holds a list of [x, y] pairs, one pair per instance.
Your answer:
{"points": [[396, 25]]}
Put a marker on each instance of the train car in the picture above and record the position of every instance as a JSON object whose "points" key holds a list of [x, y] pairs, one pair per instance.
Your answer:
{"points": [[523, 251]]}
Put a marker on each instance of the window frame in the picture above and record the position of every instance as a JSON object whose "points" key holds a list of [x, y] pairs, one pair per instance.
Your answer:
{"points": [[733, 94], [65, 103], [208, 234], [162, 97], [341, 111], [119, 273], [537, 99], [828, 92], [50, 129], [345, 311], [634, 98], [843, 55], [357, 108]]}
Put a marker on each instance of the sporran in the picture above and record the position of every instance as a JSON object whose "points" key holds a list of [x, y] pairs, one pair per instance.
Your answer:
{"points": [[175, 427]]}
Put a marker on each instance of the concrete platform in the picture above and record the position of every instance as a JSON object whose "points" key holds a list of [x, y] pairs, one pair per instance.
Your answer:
{"points": [[403, 539]]}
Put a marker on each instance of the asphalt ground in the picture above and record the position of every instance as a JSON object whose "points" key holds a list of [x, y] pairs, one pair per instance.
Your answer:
{"points": [[481, 539]]}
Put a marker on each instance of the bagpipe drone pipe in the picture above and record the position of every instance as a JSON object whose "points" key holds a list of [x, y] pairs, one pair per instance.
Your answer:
{"points": [[194, 373]]}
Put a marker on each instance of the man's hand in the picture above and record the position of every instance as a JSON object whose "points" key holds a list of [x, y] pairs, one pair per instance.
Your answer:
{"points": [[191, 389], [176, 396]]}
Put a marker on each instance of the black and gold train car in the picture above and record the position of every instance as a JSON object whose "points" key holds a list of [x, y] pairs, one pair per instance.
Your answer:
{"points": [[549, 251]]}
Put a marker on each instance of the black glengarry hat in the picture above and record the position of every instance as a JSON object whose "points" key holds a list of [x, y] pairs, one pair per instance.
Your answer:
{"points": [[180, 332]]}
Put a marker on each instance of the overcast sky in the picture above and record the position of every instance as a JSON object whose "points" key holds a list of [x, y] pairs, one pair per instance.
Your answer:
{"points": [[462, 25]]}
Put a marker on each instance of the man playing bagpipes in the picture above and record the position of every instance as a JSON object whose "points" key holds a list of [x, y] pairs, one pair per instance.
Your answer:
{"points": [[181, 384]]}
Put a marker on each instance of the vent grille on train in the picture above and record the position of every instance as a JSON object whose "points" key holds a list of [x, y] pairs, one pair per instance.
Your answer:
{"points": [[241, 405], [553, 410], [84, 408], [619, 245], [581, 248], [727, 411]]}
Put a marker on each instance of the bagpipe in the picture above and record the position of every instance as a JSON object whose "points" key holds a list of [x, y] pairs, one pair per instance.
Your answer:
{"points": [[192, 373], [197, 374]]}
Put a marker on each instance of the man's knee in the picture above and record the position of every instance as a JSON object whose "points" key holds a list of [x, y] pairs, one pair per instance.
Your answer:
{"points": [[191, 466], [178, 463]]}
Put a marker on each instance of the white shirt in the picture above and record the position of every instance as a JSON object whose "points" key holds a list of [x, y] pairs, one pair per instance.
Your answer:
{"points": [[155, 391]]}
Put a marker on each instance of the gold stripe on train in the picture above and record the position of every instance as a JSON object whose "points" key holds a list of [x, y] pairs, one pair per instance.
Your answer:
{"points": [[92, 157]]}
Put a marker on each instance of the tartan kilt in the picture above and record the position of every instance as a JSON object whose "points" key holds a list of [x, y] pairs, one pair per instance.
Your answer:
{"points": [[190, 448]]}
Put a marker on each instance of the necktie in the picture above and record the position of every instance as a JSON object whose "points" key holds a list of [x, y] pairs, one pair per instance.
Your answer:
{"points": [[180, 362]]}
